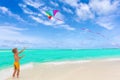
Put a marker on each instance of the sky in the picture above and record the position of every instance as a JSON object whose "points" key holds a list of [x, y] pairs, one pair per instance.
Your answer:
{"points": [[83, 24]]}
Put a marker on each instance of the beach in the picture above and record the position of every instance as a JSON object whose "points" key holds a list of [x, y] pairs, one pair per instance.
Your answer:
{"points": [[108, 69], [63, 64]]}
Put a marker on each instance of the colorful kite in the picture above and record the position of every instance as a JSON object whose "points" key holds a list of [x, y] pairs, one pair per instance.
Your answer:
{"points": [[52, 13]]}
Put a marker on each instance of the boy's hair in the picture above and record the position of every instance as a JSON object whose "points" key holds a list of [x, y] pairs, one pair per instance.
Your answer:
{"points": [[14, 50]]}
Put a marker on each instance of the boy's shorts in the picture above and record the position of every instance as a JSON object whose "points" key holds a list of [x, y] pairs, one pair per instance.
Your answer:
{"points": [[17, 65]]}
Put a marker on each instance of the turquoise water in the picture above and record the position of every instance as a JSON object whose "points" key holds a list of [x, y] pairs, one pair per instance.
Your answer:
{"points": [[50, 55]]}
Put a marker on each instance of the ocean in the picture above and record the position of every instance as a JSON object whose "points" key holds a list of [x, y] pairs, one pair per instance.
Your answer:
{"points": [[56, 55]]}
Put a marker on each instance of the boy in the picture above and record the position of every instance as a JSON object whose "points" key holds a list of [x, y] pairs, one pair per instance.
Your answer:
{"points": [[16, 62]]}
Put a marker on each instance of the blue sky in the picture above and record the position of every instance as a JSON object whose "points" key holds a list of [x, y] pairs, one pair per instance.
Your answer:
{"points": [[85, 24]]}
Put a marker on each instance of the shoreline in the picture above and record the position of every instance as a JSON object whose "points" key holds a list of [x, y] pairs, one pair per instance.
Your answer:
{"points": [[70, 61], [102, 59], [35, 67]]}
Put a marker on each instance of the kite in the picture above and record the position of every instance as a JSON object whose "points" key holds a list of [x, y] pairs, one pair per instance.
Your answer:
{"points": [[51, 14]]}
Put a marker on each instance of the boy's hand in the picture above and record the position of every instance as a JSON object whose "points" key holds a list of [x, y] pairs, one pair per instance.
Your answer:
{"points": [[22, 50], [21, 56]]}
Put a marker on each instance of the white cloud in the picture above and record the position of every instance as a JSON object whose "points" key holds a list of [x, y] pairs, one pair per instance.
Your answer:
{"points": [[99, 7], [34, 3], [25, 9], [54, 3], [14, 37], [39, 20], [11, 28], [107, 12], [106, 22], [84, 12], [10, 32], [53, 23], [99, 11], [6, 11], [67, 27], [29, 11], [56, 20], [73, 3], [104, 7], [67, 10], [39, 17]]}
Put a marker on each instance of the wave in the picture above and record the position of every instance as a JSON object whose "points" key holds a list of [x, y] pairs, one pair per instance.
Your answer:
{"points": [[82, 61], [68, 62], [111, 59]]}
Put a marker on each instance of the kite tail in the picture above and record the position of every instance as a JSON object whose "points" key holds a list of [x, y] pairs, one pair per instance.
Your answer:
{"points": [[85, 29], [59, 19], [117, 45]]}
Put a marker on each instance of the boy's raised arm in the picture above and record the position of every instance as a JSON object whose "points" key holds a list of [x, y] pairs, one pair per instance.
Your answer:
{"points": [[21, 56], [22, 50]]}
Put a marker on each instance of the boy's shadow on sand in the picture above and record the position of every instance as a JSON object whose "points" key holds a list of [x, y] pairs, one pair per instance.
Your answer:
{"points": [[15, 78]]}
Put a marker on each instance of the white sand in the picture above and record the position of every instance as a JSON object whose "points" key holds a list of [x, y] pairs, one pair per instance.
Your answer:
{"points": [[94, 70]]}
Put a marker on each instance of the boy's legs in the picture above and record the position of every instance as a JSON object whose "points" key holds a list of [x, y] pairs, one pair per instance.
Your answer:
{"points": [[18, 71], [14, 71]]}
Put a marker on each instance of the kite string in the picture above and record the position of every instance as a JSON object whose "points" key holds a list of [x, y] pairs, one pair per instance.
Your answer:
{"points": [[86, 29]]}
